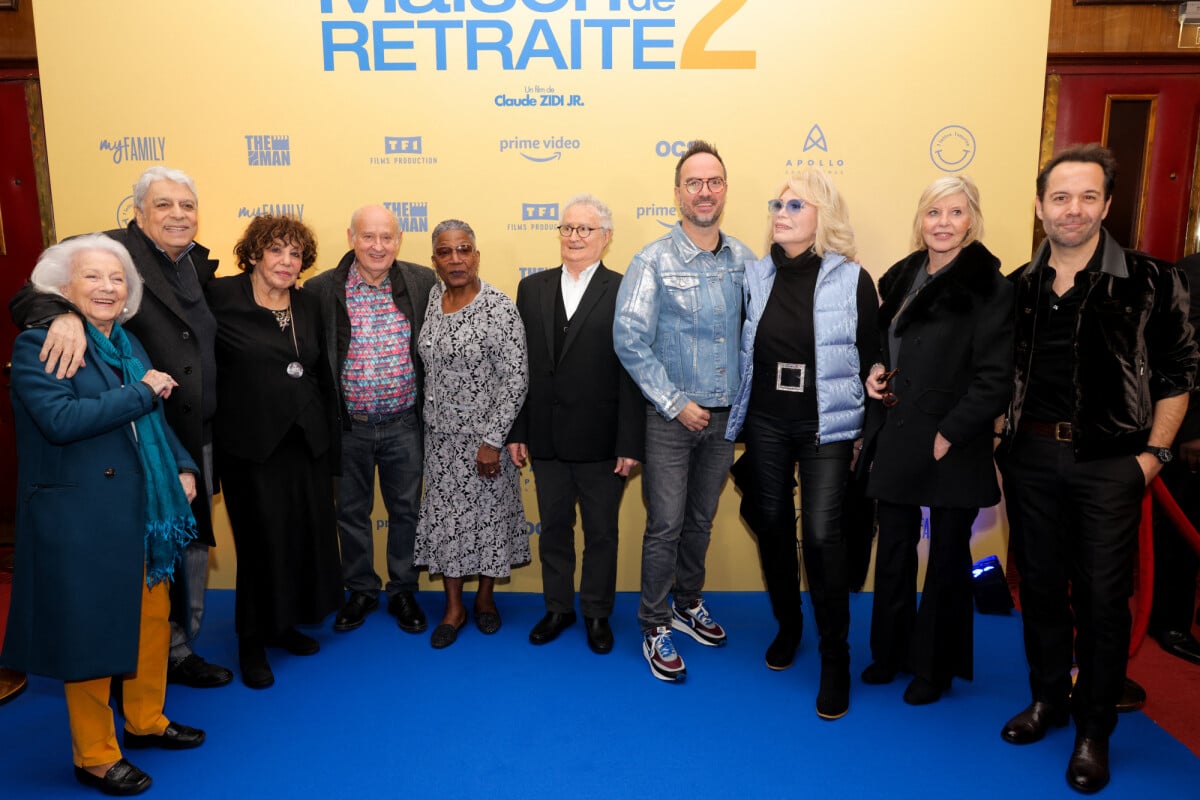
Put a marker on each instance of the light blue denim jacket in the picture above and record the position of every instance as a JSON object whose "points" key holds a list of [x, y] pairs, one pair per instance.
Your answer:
{"points": [[840, 392], [677, 320]]}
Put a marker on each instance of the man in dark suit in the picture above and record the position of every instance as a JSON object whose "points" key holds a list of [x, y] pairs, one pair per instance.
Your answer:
{"points": [[583, 422], [179, 333]]}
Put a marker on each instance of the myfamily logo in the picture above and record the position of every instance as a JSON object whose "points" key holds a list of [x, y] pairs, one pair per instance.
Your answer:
{"points": [[135, 148], [398, 150], [550, 148], [413, 217], [294, 210], [268, 150], [125, 211], [536, 217], [816, 153], [952, 148], [407, 35]]}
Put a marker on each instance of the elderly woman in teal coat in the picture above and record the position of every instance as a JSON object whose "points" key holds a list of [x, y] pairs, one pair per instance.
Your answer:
{"points": [[102, 516]]}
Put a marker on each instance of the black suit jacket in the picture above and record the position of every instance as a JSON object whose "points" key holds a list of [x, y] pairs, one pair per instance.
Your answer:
{"points": [[585, 407]]}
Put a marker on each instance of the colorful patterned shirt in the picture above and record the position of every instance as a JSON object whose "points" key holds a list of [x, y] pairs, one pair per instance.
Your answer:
{"points": [[378, 376]]}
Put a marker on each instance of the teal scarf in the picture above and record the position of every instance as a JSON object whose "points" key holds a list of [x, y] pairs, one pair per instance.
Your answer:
{"points": [[169, 521]]}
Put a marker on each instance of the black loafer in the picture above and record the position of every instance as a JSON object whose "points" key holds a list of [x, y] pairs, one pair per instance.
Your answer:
{"points": [[409, 616], [296, 643], [175, 737], [550, 626], [781, 653], [487, 621], [256, 670], [1031, 724], [194, 671], [599, 635], [1087, 771], [355, 611], [1180, 644], [833, 696], [446, 634], [122, 778], [922, 692], [877, 674]]}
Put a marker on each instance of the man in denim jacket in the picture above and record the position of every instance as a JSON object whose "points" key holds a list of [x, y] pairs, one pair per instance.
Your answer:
{"points": [[676, 330]]}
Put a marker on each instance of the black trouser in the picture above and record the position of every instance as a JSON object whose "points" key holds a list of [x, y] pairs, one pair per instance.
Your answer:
{"points": [[1074, 534], [774, 448], [1175, 562], [935, 642], [598, 490]]}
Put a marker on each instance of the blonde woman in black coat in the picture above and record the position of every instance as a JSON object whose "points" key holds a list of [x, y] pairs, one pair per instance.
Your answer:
{"points": [[946, 326]]}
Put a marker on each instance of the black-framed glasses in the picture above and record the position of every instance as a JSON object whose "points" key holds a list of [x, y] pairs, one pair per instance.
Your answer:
{"points": [[445, 251], [889, 398], [583, 231], [715, 185], [793, 206]]}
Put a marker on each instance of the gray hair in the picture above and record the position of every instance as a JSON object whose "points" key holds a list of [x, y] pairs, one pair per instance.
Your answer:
{"points": [[57, 264], [161, 174], [594, 203], [452, 225]]}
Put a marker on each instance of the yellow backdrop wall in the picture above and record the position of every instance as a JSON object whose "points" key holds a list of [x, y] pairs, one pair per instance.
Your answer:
{"points": [[495, 111]]}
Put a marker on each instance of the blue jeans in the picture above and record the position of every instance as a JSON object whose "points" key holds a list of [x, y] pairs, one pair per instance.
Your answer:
{"points": [[681, 482], [395, 448], [194, 577]]}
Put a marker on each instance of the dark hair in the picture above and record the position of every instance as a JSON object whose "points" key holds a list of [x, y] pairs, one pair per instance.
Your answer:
{"points": [[695, 148], [264, 231], [1093, 153]]}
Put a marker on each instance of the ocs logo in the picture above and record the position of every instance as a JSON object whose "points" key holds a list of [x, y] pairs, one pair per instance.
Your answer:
{"points": [[952, 148], [675, 149], [125, 211]]}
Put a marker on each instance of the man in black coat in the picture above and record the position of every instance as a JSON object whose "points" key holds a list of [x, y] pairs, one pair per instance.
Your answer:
{"points": [[1104, 360], [583, 422], [179, 334], [373, 306]]}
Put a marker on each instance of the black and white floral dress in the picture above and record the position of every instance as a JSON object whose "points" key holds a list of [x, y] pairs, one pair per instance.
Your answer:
{"points": [[476, 376]]}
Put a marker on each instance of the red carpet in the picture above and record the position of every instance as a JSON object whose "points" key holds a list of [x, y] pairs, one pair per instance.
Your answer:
{"points": [[1172, 691]]}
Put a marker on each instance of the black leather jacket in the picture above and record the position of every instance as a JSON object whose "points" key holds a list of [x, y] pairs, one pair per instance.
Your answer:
{"points": [[1134, 347]]}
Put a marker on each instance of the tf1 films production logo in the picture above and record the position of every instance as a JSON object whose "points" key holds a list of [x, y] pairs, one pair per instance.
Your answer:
{"points": [[536, 217], [268, 150], [400, 150]]}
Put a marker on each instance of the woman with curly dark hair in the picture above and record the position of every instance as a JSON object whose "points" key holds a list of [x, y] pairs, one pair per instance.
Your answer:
{"points": [[276, 444]]}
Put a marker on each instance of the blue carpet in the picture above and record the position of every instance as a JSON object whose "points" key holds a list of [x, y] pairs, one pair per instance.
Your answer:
{"points": [[379, 713]]}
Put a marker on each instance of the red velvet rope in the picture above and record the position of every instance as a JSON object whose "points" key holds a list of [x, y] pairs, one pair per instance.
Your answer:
{"points": [[1157, 490]]}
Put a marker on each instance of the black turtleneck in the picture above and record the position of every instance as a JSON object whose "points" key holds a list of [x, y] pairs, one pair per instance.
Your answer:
{"points": [[785, 336]]}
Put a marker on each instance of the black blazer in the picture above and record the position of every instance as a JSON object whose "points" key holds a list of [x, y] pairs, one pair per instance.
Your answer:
{"points": [[585, 407]]}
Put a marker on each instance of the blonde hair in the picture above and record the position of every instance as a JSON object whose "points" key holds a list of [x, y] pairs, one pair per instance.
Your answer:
{"points": [[941, 189], [834, 233]]}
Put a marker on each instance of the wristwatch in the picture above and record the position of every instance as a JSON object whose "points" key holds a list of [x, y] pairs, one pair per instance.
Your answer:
{"points": [[1163, 454]]}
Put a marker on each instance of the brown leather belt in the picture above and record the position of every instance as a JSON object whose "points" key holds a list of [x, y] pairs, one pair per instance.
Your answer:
{"points": [[1058, 431]]}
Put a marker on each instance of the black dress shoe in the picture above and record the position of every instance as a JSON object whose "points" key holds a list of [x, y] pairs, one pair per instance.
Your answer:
{"points": [[599, 634], [1180, 644], [122, 778], [296, 643], [1031, 724], [256, 670], [1087, 771], [833, 698], [175, 737], [877, 674], [922, 692], [550, 626], [409, 616], [355, 611], [781, 653], [487, 621], [194, 671], [446, 634]]}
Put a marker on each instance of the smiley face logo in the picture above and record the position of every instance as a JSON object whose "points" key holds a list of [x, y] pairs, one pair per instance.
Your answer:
{"points": [[125, 211], [952, 148]]}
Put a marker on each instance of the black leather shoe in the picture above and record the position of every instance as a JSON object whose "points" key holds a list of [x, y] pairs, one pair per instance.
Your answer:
{"points": [[256, 670], [194, 671], [446, 634], [599, 634], [550, 626], [1180, 644], [175, 737], [1031, 724], [487, 621], [409, 616], [296, 643], [355, 611], [922, 692], [877, 674], [1087, 771], [122, 778], [781, 653], [833, 698]]}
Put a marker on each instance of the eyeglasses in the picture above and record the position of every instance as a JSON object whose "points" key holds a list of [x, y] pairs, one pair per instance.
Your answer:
{"points": [[715, 185], [584, 231], [889, 399], [445, 251], [792, 206]]}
